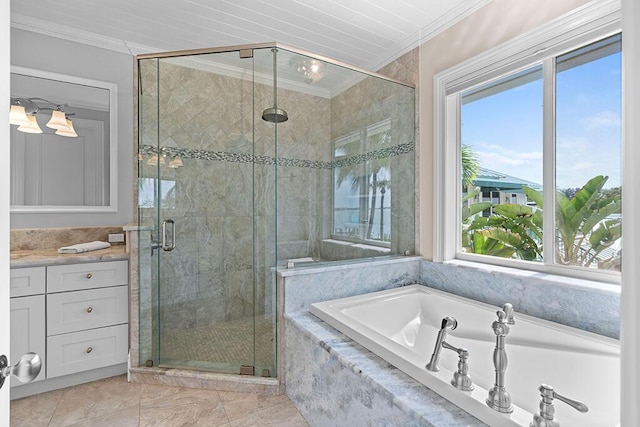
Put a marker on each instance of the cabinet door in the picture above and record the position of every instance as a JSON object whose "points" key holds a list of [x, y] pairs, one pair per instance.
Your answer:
{"points": [[28, 330], [27, 281]]}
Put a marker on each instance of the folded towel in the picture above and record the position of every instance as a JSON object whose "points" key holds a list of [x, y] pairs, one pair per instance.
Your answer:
{"points": [[83, 247]]}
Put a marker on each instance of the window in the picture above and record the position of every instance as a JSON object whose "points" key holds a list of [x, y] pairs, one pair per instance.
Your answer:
{"points": [[148, 193], [361, 189], [532, 131]]}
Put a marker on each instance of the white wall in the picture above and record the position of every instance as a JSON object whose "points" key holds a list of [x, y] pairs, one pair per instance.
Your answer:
{"points": [[630, 329], [4, 206], [61, 56]]}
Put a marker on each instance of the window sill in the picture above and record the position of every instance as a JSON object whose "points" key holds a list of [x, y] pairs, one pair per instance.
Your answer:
{"points": [[553, 279], [381, 249]]}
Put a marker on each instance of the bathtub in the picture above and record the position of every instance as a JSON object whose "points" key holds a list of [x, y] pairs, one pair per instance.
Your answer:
{"points": [[400, 325]]}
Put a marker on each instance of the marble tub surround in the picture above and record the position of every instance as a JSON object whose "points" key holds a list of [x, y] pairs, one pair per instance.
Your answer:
{"points": [[301, 287], [590, 306], [334, 381], [33, 239]]}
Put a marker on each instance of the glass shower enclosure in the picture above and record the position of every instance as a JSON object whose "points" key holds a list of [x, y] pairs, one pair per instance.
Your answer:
{"points": [[253, 159]]}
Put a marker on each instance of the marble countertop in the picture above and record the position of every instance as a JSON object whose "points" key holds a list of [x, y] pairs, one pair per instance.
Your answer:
{"points": [[32, 258]]}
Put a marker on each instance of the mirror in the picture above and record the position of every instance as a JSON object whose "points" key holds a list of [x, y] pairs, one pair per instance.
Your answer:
{"points": [[55, 171]]}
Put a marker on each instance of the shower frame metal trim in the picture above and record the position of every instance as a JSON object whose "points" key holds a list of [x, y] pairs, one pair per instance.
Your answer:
{"points": [[222, 49]]}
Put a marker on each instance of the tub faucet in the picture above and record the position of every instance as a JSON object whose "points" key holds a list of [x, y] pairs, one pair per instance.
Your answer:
{"points": [[499, 398], [461, 379], [508, 311], [545, 417], [448, 324]]}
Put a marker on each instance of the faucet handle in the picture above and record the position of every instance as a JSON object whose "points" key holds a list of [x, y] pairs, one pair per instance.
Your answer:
{"points": [[547, 410], [461, 379], [508, 311]]}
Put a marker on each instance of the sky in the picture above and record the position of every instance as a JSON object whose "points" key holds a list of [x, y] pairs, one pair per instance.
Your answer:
{"points": [[505, 129]]}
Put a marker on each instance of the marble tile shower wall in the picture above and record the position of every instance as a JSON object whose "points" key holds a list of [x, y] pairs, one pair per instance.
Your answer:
{"points": [[304, 193], [372, 101], [224, 199]]}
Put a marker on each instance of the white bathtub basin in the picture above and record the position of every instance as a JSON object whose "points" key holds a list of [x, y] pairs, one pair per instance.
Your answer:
{"points": [[400, 325]]}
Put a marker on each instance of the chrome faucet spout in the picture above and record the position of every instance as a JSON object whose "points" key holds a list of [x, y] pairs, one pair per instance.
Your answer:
{"points": [[448, 324], [499, 398], [508, 311]]}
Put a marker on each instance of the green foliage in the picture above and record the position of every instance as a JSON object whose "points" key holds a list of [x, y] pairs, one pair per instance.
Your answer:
{"points": [[584, 223], [581, 222], [470, 165]]}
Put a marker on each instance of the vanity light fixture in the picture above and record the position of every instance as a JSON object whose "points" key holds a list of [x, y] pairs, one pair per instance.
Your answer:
{"points": [[23, 114], [31, 127], [58, 120], [166, 158], [155, 160], [175, 163], [69, 131]]}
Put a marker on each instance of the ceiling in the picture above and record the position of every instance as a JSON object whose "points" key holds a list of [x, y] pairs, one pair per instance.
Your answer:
{"points": [[365, 33]]}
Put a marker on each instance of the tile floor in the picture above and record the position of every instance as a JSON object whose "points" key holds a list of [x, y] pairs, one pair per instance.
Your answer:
{"points": [[114, 402]]}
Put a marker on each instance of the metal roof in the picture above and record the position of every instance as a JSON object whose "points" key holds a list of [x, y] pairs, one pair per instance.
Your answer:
{"points": [[500, 181]]}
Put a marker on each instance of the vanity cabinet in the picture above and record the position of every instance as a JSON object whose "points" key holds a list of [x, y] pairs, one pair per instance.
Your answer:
{"points": [[28, 332], [87, 313]]}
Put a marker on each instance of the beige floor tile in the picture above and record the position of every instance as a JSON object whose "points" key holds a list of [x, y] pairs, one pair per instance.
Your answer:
{"points": [[127, 417], [238, 405], [115, 403], [173, 407], [95, 400], [35, 411], [281, 415]]}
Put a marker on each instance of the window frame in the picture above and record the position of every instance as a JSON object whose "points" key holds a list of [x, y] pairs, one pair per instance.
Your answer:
{"points": [[361, 135], [588, 24]]}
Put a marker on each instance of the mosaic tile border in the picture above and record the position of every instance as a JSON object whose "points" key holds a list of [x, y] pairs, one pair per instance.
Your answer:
{"points": [[224, 156]]}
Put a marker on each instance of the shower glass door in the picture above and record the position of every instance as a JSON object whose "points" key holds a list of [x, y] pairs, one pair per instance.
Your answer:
{"points": [[208, 306]]}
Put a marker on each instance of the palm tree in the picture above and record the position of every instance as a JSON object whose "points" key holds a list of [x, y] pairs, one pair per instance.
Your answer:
{"points": [[470, 165], [364, 176]]}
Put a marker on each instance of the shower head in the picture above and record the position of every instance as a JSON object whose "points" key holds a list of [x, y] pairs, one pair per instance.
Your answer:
{"points": [[274, 115]]}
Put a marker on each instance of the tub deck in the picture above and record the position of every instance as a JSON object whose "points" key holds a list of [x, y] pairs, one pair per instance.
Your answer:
{"points": [[401, 325]]}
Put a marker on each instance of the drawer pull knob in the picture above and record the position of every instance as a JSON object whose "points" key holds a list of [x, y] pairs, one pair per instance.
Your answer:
{"points": [[89, 309], [89, 350], [89, 275]]}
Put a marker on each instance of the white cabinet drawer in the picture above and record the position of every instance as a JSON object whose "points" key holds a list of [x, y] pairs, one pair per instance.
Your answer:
{"points": [[27, 330], [85, 350], [27, 281], [93, 308], [73, 277]]}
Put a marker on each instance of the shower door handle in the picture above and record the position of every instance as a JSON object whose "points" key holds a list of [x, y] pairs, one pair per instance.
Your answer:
{"points": [[165, 245]]}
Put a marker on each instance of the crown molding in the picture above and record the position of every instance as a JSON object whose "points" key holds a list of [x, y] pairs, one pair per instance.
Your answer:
{"points": [[64, 32]]}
